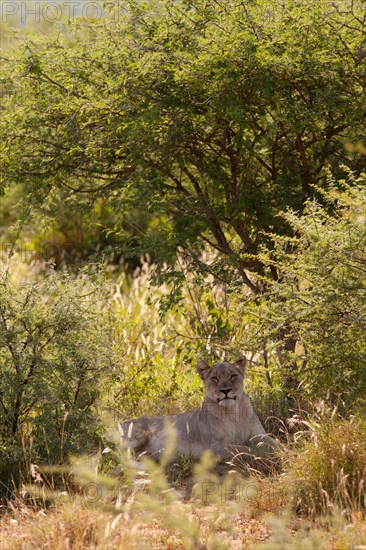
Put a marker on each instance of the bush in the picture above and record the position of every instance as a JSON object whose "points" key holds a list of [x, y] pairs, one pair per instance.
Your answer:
{"points": [[311, 321], [53, 354]]}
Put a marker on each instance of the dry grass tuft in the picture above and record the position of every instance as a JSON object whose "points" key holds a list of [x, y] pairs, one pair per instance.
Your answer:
{"points": [[327, 469]]}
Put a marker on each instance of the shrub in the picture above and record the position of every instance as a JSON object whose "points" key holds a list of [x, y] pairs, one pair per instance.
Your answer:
{"points": [[317, 306], [53, 354]]}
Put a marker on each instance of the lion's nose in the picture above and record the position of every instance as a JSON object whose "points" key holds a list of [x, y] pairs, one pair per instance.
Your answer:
{"points": [[225, 391]]}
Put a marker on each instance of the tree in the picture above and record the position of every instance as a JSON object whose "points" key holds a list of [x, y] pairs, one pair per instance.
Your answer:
{"points": [[213, 116], [216, 116]]}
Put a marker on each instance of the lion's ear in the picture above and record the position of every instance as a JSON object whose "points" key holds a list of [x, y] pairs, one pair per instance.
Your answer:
{"points": [[203, 368], [241, 364]]}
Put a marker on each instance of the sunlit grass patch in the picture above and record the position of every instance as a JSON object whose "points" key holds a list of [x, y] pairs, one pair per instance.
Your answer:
{"points": [[327, 469]]}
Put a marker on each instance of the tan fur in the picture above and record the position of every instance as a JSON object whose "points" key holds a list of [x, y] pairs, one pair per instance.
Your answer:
{"points": [[226, 423]]}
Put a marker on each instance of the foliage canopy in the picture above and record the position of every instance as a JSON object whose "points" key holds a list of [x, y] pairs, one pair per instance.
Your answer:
{"points": [[213, 116]]}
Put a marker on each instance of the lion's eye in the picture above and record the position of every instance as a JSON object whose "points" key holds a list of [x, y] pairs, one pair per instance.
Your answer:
{"points": [[214, 379], [233, 377]]}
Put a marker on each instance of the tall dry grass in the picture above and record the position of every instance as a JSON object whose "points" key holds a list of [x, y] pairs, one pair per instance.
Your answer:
{"points": [[327, 466]]}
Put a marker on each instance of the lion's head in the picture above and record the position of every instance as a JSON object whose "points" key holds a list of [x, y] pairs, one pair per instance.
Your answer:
{"points": [[223, 381]]}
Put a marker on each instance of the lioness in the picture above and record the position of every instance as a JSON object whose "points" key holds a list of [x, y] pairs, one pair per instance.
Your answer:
{"points": [[226, 424]]}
